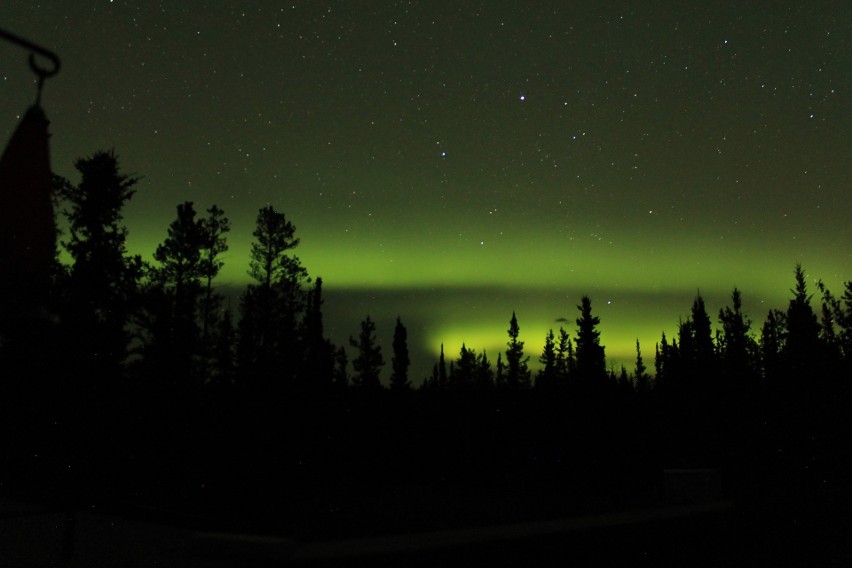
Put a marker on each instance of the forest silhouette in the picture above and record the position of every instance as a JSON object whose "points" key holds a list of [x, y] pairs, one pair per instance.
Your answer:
{"points": [[128, 382]]}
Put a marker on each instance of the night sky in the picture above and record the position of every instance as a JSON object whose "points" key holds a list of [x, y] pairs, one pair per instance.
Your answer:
{"points": [[450, 162]]}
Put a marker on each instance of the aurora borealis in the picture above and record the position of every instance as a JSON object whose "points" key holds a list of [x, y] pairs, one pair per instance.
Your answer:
{"points": [[450, 162]]}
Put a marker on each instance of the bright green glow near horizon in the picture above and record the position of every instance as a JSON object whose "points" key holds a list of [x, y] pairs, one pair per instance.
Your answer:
{"points": [[622, 323]]}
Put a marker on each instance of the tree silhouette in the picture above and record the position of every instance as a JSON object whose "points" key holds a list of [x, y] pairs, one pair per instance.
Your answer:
{"points": [[470, 372], [223, 355], [254, 353], [175, 284], [705, 407], [836, 324], [341, 376], [483, 374], [591, 360], [641, 378], [271, 309], [735, 342], [626, 388], [737, 350], [685, 350], [661, 359], [369, 361], [802, 348], [702, 334], [99, 295], [688, 366], [828, 331], [699, 360], [464, 370], [565, 362], [500, 375], [443, 380], [400, 362], [430, 383], [772, 339], [103, 278], [517, 372], [843, 316], [318, 352], [213, 245], [547, 375], [274, 237]]}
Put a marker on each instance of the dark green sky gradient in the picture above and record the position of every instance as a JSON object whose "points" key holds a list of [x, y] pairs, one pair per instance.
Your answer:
{"points": [[452, 161]]}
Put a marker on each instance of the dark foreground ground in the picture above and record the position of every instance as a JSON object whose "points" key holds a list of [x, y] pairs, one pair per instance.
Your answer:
{"points": [[709, 533], [498, 496]]}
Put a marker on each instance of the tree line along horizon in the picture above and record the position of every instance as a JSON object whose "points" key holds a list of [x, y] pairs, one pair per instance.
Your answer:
{"points": [[166, 321]]}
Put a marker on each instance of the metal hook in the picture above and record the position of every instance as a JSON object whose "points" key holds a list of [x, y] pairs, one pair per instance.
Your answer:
{"points": [[42, 72]]}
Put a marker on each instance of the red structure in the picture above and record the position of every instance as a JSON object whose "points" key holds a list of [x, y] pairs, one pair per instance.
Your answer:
{"points": [[27, 226]]}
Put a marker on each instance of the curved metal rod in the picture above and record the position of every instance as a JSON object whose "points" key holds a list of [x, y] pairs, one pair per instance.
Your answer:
{"points": [[42, 72]]}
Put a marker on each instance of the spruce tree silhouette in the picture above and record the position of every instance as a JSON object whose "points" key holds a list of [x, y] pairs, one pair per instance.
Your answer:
{"points": [[640, 377], [660, 360], [500, 374], [483, 374], [317, 372], [803, 351], [740, 415], [591, 360], [547, 376], [773, 336], [463, 377], [738, 352], [565, 362], [683, 357], [400, 362], [369, 361], [691, 387], [443, 380], [517, 371], [705, 390], [702, 332], [736, 346]]}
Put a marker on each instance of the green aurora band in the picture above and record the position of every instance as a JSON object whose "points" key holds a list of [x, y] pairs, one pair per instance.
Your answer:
{"points": [[452, 289]]}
